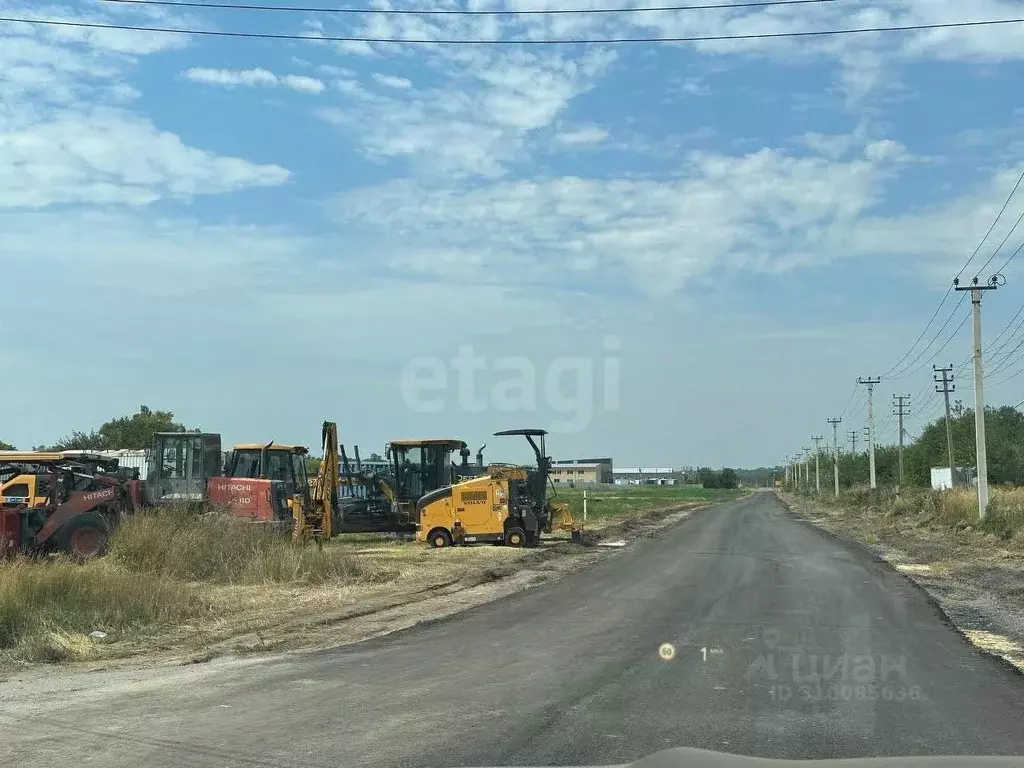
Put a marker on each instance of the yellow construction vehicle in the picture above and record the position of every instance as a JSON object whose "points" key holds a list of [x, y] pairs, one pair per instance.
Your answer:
{"points": [[507, 505]]}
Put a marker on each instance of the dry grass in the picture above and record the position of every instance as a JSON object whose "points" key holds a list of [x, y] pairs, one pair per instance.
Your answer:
{"points": [[48, 608], [956, 508], [222, 550], [184, 581]]}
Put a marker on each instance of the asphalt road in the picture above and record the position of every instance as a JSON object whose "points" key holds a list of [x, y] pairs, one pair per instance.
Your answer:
{"points": [[787, 643]]}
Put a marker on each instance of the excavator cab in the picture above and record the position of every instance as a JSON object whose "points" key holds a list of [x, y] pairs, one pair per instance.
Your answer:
{"points": [[180, 464], [421, 466], [283, 465]]}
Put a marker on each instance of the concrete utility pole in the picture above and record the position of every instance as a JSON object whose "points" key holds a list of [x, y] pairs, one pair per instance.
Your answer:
{"points": [[817, 463], [870, 384], [901, 408], [807, 466], [979, 389], [947, 387], [835, 452]]}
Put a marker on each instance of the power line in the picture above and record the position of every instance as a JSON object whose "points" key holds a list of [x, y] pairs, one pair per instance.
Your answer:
{"points": [[499, 41], [994, 222], [907, 370], [460, 11], [923, 332], [1010, 258], [949, 290], [849, 402], [998, 247]]}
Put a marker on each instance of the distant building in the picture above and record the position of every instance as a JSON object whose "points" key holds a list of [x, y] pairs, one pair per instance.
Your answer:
{"points": [[589, 471], [645, 476]]}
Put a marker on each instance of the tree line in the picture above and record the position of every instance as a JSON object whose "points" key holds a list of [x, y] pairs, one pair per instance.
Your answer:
{"points": [[1004, 433], [134, 432]]}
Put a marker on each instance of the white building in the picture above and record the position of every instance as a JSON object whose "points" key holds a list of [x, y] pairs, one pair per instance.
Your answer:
{"points": [[644, 476]]}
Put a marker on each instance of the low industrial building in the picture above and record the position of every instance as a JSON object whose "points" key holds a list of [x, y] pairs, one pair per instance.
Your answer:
{"points": [[644, 476], [582, 471]]}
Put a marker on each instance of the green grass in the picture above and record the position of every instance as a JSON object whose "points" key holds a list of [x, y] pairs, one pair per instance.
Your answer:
{"points": [[613, 501]]}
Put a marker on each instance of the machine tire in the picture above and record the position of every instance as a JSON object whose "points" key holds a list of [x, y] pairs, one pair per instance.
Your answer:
{"points": [[83, 537], [515, 537], [439, 538]]}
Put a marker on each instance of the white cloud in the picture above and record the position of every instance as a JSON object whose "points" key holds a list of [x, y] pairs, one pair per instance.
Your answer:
{"points": [[393, 82], [104, 156], [764, 211], [476, 120], [831, 145], [591, 134], [254, 77], [66, 135]]}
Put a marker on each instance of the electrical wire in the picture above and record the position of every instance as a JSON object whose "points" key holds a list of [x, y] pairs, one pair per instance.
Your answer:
{"points": [[1005, 327], [460, 11], [907, 370], [500, 41], [1009, 259], [1008, 359], [949, 290], [1005, 379], [923, 332], [853, 395], [994, 222], [998, 247]]}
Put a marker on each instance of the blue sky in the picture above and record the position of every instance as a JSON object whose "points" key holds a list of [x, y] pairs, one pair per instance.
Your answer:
{"points": [[259, 235]]}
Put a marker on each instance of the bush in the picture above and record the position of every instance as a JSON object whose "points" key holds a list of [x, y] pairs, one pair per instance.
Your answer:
{"points": [[48, 608], [217, 548]]}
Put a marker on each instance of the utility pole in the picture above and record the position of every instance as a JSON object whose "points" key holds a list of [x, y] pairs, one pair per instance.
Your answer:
{"points": [[817, 463], [979, 388], [870, 384], [807, 466], [901, 408], [947, 387], [835, 452], [853, 441]]}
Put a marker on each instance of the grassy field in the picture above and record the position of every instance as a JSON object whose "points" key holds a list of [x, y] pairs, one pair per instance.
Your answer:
{"points": [[175, 580], [612, 501]]}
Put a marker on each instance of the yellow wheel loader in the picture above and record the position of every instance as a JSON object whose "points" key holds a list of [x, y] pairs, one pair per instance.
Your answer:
{"points": [[507, 505]]}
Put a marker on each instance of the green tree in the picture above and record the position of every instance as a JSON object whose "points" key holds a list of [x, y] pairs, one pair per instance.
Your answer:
{"points": [[728, 478], [132, 432], [6, 446], [1004, 433]]}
